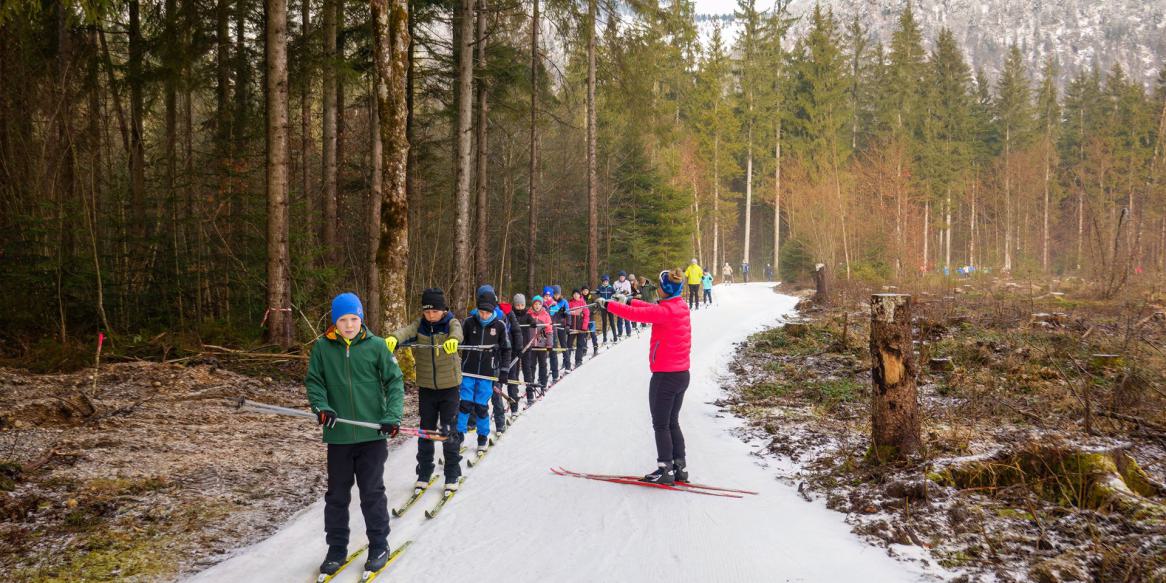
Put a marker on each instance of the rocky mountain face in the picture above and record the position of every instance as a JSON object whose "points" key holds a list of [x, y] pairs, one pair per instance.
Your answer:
{"points": [[1077, 33]]}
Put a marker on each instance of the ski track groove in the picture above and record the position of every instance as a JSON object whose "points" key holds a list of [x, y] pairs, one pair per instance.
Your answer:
{"points": [[514, 520]]}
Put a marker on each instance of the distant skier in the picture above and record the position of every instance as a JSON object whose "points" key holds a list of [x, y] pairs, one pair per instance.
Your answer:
{"points": [[768, 272], [352, 375], [439, 374], [585, 291], [745, 272], [482, 328], [559, 313], [605, 291], [694, 274], [727, 273], [517, 343], [706, 282], [671, 343], [578, 320], [623, 287], [647, 290], [550, 307], [544, 343]]}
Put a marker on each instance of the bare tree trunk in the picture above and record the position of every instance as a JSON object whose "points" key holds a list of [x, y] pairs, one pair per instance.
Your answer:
{"points": [[279, 316], [391, 49], [748, 186], [947, 231], [716, 199], [926, 235], [481, 255], [329, 177], [137, 148], [592, 177], [1044, 256], [463, 140], [306, 124], [777, 201], [532, 231], [376, 192], [972, 226], [895, 417], [1008, 199]]}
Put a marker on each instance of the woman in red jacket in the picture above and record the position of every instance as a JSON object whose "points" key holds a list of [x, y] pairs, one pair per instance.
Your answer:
{"points": [[671, 343]]}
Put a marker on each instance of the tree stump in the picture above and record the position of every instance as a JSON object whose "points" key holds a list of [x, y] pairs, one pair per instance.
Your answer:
{"points": [[895, 420], [821, 292], [943, 365], [795, 329]]}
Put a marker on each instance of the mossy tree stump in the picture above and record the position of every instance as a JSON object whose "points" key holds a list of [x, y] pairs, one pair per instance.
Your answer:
{"points": [[895, 420]]}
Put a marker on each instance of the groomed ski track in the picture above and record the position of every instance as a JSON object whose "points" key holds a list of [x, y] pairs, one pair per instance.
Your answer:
{"points": [[516, 521]]}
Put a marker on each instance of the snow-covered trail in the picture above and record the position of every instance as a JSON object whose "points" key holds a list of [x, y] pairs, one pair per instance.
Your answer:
{"points": [[516, 521]]}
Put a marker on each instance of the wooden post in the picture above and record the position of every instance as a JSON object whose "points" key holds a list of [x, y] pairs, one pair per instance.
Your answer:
{"points": [[895, 420]]}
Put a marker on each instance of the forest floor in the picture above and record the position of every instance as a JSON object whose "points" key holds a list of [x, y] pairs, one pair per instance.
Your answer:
{"points": [[148, 473], [1042, 462]]}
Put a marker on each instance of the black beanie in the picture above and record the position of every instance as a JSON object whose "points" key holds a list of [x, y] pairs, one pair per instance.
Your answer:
{"points": [[433, 299], [487, 300]]}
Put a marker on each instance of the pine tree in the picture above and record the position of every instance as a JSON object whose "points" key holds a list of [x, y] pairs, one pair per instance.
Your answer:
{"points": [[1049, 128], [716, 127], [1014, 120]]}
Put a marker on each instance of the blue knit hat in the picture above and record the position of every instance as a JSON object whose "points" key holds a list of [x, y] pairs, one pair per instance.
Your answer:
{"points": [[345, 304], [672, 287], [605, 277], [548, 290], [558, 289]]}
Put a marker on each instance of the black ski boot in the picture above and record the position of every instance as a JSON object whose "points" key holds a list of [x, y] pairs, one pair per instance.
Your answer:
{"points": [[335, 558], [378, 557], [663, 475], [680, 468]]}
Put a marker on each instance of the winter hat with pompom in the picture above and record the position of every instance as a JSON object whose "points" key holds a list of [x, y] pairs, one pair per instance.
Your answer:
{"points": [[671, 283]]}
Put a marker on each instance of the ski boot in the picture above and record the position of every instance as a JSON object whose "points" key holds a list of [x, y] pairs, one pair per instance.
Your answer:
{"points": [[663, 475], [378, 557], [680, 469], [336, 556], [483, 443]]}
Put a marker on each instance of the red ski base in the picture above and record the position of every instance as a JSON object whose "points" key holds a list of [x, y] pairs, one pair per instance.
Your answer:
{"points": [[636, 481]]}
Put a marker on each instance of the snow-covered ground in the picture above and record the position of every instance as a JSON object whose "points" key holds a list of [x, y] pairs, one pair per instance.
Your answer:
{"points": [[516, 521]]}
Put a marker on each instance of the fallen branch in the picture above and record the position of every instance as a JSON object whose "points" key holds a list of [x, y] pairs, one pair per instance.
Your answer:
{"points": [[1131, 419]]}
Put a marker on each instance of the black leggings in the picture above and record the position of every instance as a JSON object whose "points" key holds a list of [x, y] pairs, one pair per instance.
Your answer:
{"points": [[693, 295], [665, 397], [438, 408]]}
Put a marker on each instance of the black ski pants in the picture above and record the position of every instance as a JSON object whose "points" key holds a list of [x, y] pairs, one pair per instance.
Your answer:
{"points": [[538, 358], [693, 295], [607, 319], [578, 346], [439, 409], [362, 464], [665, 397]]}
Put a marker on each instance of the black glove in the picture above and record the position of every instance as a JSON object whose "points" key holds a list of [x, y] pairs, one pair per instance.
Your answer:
{"points": [[502, 377], [389, 429], [326, 418]]}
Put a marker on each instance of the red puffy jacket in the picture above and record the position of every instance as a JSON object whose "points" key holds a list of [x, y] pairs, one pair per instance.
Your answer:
{"points": [[671, 330], [580, 315]]}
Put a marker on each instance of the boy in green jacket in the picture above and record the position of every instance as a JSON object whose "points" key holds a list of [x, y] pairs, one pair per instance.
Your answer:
{"points": [[439, 374], [352, 375]]}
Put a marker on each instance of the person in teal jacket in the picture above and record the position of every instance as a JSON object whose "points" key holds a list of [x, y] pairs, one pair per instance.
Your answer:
{"points": [[352, 375], [706, 282]]}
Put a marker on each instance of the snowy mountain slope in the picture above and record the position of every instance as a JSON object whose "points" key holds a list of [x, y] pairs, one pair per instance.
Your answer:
{"points": [[515, 521], [1075, 32]]}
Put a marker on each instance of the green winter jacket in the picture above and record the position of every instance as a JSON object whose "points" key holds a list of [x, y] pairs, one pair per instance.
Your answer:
{"points": [[359, 381], [435, 368]]}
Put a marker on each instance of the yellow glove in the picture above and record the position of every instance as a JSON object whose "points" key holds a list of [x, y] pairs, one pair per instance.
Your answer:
{"points": [[391, 343], [450, 346]]}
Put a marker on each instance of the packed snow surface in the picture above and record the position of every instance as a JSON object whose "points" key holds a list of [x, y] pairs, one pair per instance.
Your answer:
{"points": [[516, 521]]}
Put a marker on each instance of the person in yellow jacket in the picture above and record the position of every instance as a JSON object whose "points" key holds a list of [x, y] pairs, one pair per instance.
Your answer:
{"points": [[694, 273]]}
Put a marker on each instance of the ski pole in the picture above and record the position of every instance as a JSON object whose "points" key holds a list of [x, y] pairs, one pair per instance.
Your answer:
{"points": [[243, 404], [482, 347]]}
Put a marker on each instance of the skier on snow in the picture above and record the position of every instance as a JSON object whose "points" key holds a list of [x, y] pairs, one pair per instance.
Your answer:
{"points": [[706, 282], [694, 274], [352, 375], [578, 320], [544, 342], [605, 291], [439, 374], [483, 328], [623, 287], [671, 343], [727, 273]]}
